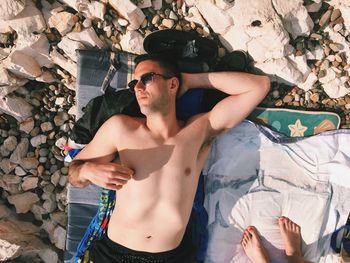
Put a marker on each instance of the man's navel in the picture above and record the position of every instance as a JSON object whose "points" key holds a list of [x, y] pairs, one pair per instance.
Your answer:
{"points": [[187, 171]]}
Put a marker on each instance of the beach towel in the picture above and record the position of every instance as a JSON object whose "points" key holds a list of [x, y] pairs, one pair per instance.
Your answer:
{"points": [[254, 175]]}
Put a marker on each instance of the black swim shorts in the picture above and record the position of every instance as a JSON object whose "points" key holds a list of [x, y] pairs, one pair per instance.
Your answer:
{"points": [[107, 251]]}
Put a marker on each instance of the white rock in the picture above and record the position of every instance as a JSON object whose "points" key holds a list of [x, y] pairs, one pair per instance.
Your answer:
{"points": [[29, 163], [69, 47], [224, 5], [285, 70], [261, 49], [64, 63], [132, 42], [211, 13], [46, 126], [19, 171], [191, 2], [17, 107], [60, 237], [46, 77], [60, 101], [335, 88], [123, 22], [5, 90], [48, 255], [10, 143], [157, 4], [22, 65], [55, 178], [169, 23], [50, 204], [144, 4], [232, 42], [129, 11], [28, 21], [87, 23], [344, 7], [314, 7], [30, 183], [38, 211], [8, 79], [267, 37], [27, 125], [88, 38], [20, 151], [5, 52], [92, 10], [63, 22], [23, 202], [316, 54], [11, 8], [36, 46], [8, 251], [309, 82], [195, 16], [37, 140], [301, 64], [294, 16], [49, 10], [343, 44], [330, 75]]}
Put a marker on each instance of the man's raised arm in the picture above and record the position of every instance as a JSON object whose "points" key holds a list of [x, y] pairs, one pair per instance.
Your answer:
{"points": [[94, 163], [246, 90]]}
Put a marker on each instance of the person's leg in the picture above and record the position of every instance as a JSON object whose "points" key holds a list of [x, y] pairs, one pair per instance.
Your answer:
{"points": [[291, 236], [252, 246]]}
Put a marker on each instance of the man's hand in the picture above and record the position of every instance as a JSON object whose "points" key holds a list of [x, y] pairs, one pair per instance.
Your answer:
{"points": [[110, 175]]}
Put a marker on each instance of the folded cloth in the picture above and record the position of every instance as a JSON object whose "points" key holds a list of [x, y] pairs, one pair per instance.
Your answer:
{"points": [[309, 183]]}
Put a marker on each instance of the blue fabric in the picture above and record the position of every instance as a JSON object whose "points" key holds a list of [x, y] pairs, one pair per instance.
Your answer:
{"points": [[344, 241], [189, 104]]}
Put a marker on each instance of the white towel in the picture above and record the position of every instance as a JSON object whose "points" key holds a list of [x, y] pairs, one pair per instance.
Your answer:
{"points": [[254, 175]]}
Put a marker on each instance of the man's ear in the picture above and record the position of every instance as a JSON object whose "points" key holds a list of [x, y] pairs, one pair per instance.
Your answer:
{"points": [[174, 85]]}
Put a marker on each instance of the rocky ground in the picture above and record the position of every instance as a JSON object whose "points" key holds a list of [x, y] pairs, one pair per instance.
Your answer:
{"points": [[302, 45]]}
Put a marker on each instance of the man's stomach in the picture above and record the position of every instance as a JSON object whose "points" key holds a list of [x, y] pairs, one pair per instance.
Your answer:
{"points": [[143, 227]]}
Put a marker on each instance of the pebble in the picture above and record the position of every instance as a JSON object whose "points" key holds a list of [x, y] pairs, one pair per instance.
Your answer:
{"points": [[87, 23], [156, 20], [335, 14], [10, 143], [338, 27], [335, 47], [38, 140], [315, 97], [168, 23], [325, 18], [275, 94], [19, 171], [46, 126], [288, 99]]}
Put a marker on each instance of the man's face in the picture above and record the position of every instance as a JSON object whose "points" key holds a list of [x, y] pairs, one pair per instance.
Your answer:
{"points": [[154, 96]]}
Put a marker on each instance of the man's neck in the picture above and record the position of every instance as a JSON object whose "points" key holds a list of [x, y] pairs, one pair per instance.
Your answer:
{"points": [[163, 126]]}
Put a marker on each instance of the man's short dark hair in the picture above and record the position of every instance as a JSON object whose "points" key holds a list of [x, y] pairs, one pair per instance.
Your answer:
{"points": [[166, 62]]}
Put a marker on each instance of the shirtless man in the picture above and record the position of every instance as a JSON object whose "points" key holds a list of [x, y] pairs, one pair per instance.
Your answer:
{"points": [[291, 237], [160, 160]]}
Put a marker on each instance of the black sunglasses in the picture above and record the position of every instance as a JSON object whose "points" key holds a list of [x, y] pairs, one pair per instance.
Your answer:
{"points": [[145, 80]]}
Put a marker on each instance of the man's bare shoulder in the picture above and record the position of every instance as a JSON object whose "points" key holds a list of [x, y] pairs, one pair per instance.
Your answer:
{"points": [[124, 122]]}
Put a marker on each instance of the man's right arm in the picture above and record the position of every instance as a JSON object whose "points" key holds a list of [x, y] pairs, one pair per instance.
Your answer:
{"points": [[94, 163]]}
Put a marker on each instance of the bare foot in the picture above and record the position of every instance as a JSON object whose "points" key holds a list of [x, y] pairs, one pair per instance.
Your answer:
{"points": [[252, 246], [290, 232]]}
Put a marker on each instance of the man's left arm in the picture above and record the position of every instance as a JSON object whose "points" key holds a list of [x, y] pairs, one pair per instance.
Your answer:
{"points": [[246, 92]]}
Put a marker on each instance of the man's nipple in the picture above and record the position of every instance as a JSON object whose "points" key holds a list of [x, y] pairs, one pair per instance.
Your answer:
{"points": [[187, 171]]}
